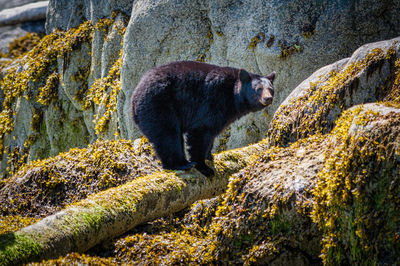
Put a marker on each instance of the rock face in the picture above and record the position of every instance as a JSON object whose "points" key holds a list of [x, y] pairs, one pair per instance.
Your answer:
{"points": [[293, 38], [367, 76], [17, 20], [323, 187], [97, 78], [5, 4], [68, 14]]}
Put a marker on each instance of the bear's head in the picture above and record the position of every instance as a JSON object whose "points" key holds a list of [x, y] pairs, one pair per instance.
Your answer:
{"points": [[257, 90]]}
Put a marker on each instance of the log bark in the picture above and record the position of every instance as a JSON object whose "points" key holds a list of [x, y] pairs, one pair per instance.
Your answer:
{"points": [[110, 213], [29, 12]]}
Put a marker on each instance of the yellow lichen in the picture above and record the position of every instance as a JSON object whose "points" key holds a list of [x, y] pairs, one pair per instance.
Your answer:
{"points": [[202, 57], [36, 66], [309, 113], [35, 76], [104, 92], [260, 37], [48, 92], [11, 223], [357, 195], [77, 259], [23, 44], [50, 184]]}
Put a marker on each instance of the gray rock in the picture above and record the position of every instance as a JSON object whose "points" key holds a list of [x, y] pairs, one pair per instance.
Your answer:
{"points": [[11, 32], [318, 101], [17, 19], [245, 34], [5, 4], [29, 12], [68, 14], [316, 33]]}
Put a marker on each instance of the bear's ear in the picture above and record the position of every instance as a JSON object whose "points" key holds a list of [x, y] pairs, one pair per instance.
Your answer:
{"points": [[244, 76], [271, 76]]}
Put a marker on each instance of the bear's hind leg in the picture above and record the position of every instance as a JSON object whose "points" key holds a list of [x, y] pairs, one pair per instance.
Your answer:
{"points": [[199, 147], [169, 148]]}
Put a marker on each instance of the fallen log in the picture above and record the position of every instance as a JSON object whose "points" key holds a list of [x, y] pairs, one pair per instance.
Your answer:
{"points": [[110, 213], [29, 12]]}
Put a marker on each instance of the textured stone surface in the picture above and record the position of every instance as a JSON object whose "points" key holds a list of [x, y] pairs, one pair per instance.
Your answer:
{"points": [[67, 14], [16, 21], [29, 12], [292, 38], [10, 33], [317, 102], [323, 31], [5, 4]]}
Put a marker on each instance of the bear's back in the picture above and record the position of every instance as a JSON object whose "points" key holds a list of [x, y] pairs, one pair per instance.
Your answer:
{"points": [[189, 88], [182, 77]]}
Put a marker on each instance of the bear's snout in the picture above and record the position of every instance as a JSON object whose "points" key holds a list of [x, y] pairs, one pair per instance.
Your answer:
{"points": [[267, 97]]}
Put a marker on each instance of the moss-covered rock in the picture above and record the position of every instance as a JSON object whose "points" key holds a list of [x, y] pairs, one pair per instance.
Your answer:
{"points": [[358, 192], [261, 218], [48, 103], [314, 106], [107, 214], [43, 187], [322, 188], [25, 85]]}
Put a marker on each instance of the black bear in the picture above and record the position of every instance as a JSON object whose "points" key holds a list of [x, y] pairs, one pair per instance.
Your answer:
{"points": [[196, 99]]}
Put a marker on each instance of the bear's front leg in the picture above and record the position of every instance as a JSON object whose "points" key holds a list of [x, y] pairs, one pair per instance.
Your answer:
{"points": [[199, 147]]}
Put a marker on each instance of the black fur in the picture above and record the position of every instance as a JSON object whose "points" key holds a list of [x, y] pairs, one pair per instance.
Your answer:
{"points": [[198, 99]]}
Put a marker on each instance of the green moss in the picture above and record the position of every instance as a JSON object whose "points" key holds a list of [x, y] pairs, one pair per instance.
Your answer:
{"points": [[92, 219], [280, 224], [15, 248]]}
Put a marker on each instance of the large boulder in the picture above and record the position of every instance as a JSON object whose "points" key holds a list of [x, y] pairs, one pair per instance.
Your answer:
{"points": [[293, 38], [97, 75], [331, 195], [314, 106]]}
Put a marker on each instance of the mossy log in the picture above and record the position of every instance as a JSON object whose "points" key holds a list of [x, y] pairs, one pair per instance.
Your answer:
{"points": [[110, 213]]}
